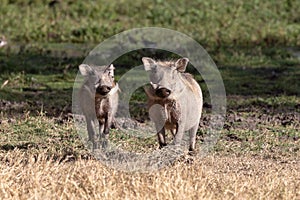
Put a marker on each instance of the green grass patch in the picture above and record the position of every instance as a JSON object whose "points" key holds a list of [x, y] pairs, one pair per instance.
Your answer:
{"points": [[212, 23], [40, 134]]}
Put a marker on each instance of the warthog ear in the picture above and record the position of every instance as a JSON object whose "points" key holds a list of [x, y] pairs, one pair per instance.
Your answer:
{"points": [[181, 64], [85, 70], [110, 69], [149, 63]]}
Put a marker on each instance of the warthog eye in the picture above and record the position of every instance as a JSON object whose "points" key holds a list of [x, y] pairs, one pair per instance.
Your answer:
{"points": [[97, 82], [111, 75]]}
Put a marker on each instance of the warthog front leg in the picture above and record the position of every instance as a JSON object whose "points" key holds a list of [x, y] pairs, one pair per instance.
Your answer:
{"points": [[91, 131], [107, 124], [104, 131], [192, 133], [90, 128], [101, 129], [173, 131], [178, 135], [102, 138], [161, 135]]}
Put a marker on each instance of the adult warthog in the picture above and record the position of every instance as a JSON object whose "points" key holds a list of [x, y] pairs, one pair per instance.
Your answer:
{"points": [[174, 100], [98, 95]]}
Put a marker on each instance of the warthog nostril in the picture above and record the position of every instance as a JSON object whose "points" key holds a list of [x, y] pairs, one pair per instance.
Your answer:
{"points": [[108, 88], [103, 90], [163, 92]]}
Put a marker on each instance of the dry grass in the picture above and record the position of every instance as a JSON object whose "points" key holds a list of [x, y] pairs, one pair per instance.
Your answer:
{"points": [[214, 177]]}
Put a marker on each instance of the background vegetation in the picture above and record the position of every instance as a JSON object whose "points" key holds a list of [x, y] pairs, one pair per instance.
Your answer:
{"points": [[211, 23], [256, 45]]}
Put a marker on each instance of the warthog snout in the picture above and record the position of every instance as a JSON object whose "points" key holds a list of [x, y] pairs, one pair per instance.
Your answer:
{"points": [[163, 92], [103, 90]]}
